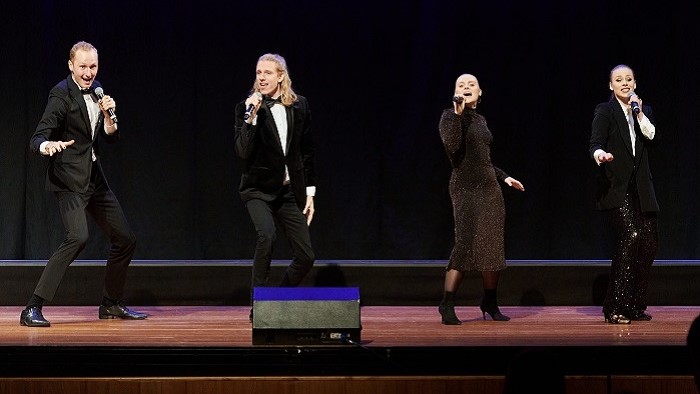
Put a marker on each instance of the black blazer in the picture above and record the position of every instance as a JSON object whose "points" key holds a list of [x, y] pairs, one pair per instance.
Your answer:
{"points": [[66, 118], [262, 159], [610, 132]]}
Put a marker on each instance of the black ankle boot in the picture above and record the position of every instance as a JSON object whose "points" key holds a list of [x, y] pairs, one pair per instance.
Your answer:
{"points": [[494, 312], [490, 305], [447, 311]]}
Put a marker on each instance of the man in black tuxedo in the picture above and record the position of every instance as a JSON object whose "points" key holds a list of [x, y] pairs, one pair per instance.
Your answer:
{"points": [[273, 140], [76, 118]]}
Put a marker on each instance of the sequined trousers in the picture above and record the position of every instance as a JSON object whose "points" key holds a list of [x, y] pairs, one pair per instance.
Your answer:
{"points": [[636, 244]]}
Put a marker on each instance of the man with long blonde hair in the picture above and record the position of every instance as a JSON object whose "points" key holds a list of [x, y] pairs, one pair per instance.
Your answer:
{"points": [[274, 143]]}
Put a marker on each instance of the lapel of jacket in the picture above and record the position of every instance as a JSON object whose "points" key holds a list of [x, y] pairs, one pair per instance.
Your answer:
{"points": [[100, 118], [622, 125], [78, 97], [272, 126], [638, 131], [638, 142], [290, 125]]}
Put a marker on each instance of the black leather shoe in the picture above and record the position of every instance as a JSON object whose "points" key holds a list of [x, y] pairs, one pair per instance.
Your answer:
{"points": [[32, 317], [617, 319], [640, 316], [119, 311]]}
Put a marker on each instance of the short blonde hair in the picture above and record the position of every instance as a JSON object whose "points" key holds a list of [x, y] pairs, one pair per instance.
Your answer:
{"points": [[81, 46]]}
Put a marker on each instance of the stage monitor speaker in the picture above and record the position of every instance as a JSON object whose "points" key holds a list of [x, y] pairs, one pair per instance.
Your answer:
{"points": [[306, 316]]}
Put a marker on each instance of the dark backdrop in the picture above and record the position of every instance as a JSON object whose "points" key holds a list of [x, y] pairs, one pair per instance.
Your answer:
{"points": [[378, 75]]}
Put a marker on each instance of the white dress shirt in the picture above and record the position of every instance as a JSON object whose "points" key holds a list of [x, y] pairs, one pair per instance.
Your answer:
{"points": [[93, 109], [645, 125], [279, 114]]}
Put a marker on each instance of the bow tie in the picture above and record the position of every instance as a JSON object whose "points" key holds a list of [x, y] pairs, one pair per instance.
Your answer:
{"points": [[86, 91], [269, 101]]}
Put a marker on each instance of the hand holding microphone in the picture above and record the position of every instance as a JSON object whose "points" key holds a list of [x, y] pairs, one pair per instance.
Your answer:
{"points": [[635, 102], [106, 103], [459, 102], [252, 104]]}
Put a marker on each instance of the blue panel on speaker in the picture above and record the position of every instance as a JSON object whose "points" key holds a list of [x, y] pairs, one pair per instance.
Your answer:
{"points": [[305, 293]]}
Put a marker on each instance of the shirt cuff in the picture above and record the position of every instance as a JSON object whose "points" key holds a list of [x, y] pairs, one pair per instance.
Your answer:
{"points": [[648, 129], [110, 129], [311, 191]]}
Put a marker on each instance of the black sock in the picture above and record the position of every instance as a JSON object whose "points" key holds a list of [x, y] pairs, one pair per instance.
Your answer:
{"points": [[108, 302], [35, 301]]}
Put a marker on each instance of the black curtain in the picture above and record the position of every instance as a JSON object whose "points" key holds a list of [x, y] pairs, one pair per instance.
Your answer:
{"points": [[378, 75]]}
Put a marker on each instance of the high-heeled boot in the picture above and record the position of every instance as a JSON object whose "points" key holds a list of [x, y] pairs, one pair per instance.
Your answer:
{"points": [[447, 309], [489, 305]]}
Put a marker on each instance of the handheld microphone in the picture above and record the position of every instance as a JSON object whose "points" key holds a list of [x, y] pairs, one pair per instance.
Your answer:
{"points": [[251, 107], [458, 99], [100, 93], [634, 104]]}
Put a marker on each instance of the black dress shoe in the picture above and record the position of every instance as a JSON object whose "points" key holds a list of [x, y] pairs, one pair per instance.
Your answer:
{"points": [[119, 311], [640, 316], [32, 317]]}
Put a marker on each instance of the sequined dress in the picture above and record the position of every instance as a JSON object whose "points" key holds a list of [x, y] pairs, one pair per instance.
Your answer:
{"points": [[477, 199]]}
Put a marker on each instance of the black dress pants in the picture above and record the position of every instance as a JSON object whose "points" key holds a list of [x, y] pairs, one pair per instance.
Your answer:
{"points": [[102, 205], [266, 216], [636, 244]]}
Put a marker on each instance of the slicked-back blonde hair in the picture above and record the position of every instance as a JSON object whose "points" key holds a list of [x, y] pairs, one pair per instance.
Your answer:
{"points": [[619, 66], [81, 46]]}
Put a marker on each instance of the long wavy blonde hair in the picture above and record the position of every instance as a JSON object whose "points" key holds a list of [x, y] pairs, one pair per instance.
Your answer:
{"points": [[288, 96]]}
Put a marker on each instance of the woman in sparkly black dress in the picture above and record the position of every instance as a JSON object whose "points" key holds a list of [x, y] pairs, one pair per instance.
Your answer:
{"points": [[622, 130], [477, 201]]}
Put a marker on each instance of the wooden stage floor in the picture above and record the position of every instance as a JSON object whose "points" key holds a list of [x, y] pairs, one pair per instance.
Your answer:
{"points": [[395, 340], [382, 326]]}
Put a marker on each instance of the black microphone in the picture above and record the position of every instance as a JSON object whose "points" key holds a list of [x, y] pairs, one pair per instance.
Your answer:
{"points": [[251, 107], [635, 105], [100, 93], [458, 99]]}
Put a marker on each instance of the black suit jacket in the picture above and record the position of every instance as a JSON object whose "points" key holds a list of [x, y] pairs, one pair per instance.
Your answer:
{"points": [[610, 132], [66, 118], [262, 159]]}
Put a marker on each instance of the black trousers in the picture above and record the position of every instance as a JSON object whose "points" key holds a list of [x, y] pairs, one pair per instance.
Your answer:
{"points": [[636, 244], [266, 216], [103, 207]]}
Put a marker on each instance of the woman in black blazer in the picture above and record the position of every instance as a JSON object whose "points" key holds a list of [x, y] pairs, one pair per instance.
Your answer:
{"points": [[622, 131]]}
